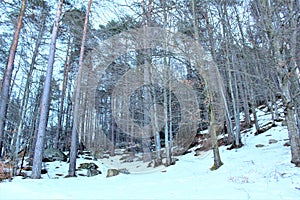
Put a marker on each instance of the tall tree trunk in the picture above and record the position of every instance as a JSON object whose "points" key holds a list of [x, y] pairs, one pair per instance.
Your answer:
{"points": [[154, 123], [212, 125], [167, 101], [67, 132], [231, 79], [39, 147], [214, 139], [293, 135], [8, 75], [28, 82], [146, 60], [63, 95], [228, 123], [76, 114]]}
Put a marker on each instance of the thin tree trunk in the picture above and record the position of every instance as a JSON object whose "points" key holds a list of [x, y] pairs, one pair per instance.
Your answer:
{"points": [[285, 70], [214, 140], [154, 123], [228, 122], [212, 126], [8, 75], [146, 59], [68, 121], [63, 94], [293, 135], [39, 147], [167, 101], [232, 80], [29, 81], [73, 150]]}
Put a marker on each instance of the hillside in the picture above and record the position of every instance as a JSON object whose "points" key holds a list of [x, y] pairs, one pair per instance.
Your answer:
{"points": [[261, 169]]}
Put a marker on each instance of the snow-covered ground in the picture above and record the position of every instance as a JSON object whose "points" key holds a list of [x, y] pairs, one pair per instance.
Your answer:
{"points": [[248, 173]]}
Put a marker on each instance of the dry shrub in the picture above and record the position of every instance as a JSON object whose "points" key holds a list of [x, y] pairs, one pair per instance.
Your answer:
{"points": [[6, 169]]}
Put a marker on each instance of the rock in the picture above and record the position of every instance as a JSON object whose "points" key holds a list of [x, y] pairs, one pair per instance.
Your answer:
{"points": [[123, 158], [47, 160], [124, 171], [272, 141], [59, 174], [93, 172], [52, 154], [127, 160], [259, 145], [44, 171], [88, 166], [287, 144], [268, 135], [112, 172], [98, 153], [265, 128]]}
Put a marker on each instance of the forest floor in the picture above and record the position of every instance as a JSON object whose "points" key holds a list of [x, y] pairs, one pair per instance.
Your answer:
{"points": [[261, 169]]}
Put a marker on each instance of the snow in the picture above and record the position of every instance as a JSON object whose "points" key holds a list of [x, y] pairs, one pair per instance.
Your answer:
{"points": [[247, 173]]}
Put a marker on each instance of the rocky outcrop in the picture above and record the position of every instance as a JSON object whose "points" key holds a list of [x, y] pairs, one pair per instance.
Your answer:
{"points": [[88, 166], [91, 169], [53, 154]]}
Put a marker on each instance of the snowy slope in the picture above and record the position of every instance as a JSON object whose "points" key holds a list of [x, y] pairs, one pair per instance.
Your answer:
{"points": [[247, 173]]}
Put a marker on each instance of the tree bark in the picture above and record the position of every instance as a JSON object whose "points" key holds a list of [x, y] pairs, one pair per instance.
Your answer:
{"points": [[28, 82], [212, 126], [8, 75], [214, 140], [44, 108], [73, 150], [293, 135]]}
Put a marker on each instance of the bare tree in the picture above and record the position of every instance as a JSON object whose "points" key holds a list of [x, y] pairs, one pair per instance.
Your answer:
{"points": [[212, 126], [30, 77], [281, 39], [39, 147], [8, 74], [73, 150], [63, 95]]}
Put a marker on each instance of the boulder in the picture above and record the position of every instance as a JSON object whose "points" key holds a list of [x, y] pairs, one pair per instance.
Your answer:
{"points": [[112, 172], [124, 171], [53, 154], [88, 166], [272, 141], [93, 172]]}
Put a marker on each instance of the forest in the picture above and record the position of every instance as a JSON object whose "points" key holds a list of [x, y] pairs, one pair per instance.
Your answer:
{"points": [[145, 78]]}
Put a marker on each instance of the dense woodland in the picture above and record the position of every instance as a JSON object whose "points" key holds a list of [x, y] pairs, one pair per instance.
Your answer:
{"points": [[51, 97]]}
